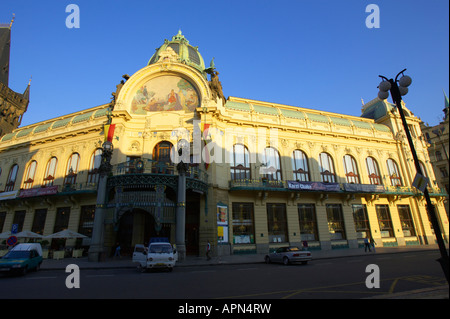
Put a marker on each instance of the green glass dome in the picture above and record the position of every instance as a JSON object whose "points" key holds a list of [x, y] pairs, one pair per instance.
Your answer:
{"points": [[187, 53]]}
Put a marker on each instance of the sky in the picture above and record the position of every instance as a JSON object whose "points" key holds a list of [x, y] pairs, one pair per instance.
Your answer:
{"points": [[313, 54]]}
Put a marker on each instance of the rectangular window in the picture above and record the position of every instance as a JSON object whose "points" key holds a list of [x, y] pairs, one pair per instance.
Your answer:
{"points": [[308, 222], [384, 220], [19, 218], [62, 219], [406, 220], [335, 221], [361, 220], [243, 223], [277, 223], [2, 220], [39, 221], [87, 220]]}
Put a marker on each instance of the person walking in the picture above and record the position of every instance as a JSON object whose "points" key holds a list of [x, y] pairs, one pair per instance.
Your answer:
{"points": [[366, 244], [208, 251], [117, 252], [372, 243]]}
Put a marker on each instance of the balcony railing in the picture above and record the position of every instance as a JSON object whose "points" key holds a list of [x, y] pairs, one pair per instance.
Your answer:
{"points": [[147, 166]]}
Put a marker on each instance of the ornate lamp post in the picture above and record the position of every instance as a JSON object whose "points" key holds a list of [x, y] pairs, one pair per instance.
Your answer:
{"points": [[96, 250], [182, 168], [397, 91]]}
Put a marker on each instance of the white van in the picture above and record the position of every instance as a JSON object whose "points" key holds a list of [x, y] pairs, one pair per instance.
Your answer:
{"points": [[158, 255]]}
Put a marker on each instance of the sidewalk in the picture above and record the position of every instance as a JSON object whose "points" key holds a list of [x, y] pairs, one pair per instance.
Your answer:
{"points": [[125, 262], [440, 292]]}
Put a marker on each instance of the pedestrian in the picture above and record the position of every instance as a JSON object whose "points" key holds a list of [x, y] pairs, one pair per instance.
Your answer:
{"points": [[208, 251], [372, 243], [305, 245], [117, 252], [366, 244]]}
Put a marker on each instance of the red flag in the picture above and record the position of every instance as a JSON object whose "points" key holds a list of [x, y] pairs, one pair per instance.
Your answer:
{"points": [[109, 132]]}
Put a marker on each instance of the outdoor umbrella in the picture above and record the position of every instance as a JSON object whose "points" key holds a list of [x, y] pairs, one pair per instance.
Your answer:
{"points": [[66, 233], [5, 235], [28, 234]]}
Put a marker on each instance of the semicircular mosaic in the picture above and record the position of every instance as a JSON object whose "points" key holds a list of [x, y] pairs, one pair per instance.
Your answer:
{"points": [[165, 93]]}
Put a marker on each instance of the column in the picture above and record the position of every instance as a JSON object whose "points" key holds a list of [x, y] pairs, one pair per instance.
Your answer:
{"points": [[180, 236], [96, 250]]}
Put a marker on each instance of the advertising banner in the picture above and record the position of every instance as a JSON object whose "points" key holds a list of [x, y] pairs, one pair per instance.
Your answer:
{"points": [[314, 186], [41, 191]]}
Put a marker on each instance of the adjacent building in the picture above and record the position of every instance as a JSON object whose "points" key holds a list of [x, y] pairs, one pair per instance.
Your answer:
{"points": [[438, 148], [260, 174]]}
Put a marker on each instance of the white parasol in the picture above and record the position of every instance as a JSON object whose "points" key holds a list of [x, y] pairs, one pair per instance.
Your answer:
{"points": [[66, 233]]}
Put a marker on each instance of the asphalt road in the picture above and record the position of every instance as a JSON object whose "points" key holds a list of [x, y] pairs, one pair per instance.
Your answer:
{"points": [[338, 278]]}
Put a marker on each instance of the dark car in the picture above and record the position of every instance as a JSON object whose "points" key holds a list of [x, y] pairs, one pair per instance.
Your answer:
{"points": [[289, 254], [22, 258]]}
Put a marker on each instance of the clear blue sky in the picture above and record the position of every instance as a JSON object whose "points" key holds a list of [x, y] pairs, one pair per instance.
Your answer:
{"points": [[313, 54]]}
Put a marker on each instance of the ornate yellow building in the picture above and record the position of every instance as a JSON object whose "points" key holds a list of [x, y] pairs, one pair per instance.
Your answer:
{"points": [[261, 174]]}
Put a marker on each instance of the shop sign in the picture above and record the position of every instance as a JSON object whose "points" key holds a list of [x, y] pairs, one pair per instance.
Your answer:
{"points": [[313, 186], [41, 191]]}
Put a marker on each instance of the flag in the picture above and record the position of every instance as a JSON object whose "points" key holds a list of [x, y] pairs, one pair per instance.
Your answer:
{"points": [[109, 132]]}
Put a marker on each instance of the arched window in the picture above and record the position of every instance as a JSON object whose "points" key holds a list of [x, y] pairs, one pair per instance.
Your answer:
{"points": [[10, 182], [300, 166], [161, 158], [272, 165], [72, 169], [374, 172], [29, 175], [50, 170], [327, 168], [423, 169], [239, 162], [394, 173], [94, 165], [351, 170]]}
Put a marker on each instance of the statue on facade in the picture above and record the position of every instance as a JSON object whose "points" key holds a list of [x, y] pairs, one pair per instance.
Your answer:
{"points": [[214, 83]]}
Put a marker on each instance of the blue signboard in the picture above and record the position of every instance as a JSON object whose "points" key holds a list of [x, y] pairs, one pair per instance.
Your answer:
{"points": [[14, 229]]}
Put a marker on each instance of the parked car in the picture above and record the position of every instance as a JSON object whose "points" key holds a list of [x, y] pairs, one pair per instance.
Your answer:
{"points": [[22, 258], [158, 255], [289, 254]]}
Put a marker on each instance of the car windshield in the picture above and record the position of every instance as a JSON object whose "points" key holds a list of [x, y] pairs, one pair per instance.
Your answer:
{"points": [[293, 249], [17, 254], [161, 249], [139, 249]]}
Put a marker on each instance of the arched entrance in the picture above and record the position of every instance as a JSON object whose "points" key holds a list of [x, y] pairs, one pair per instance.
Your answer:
{"points": [[137, 226]]}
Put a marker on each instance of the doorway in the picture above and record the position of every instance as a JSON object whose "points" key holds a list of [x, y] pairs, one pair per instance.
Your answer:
{"points": [[192, 223], [137, 226]]}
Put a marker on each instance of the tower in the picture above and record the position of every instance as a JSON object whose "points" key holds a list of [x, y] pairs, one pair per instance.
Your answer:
{"points": [[12, 104]]}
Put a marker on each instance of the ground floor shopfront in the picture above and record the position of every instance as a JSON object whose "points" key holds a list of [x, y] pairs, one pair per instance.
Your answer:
{"points": [[265, 220], [235, 222]]}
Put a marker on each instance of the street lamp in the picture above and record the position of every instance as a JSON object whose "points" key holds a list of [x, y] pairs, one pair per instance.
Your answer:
{"points": [[397, 91], [180, 228]]}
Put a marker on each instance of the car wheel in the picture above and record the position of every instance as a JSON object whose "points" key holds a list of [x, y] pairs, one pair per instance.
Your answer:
{"points": [[267, 260], [141, 269], [286, 261]]}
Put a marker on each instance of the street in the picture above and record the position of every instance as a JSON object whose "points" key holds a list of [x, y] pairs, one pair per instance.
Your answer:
{"points": [[336, 278]]}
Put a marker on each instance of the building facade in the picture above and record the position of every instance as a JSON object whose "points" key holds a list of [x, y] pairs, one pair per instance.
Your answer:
{"points": [[437, 137], [260, 174]]}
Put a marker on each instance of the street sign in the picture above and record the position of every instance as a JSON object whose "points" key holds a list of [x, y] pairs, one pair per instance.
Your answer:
{"points": [[14, 229], [420, 182], [11, 241]]}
